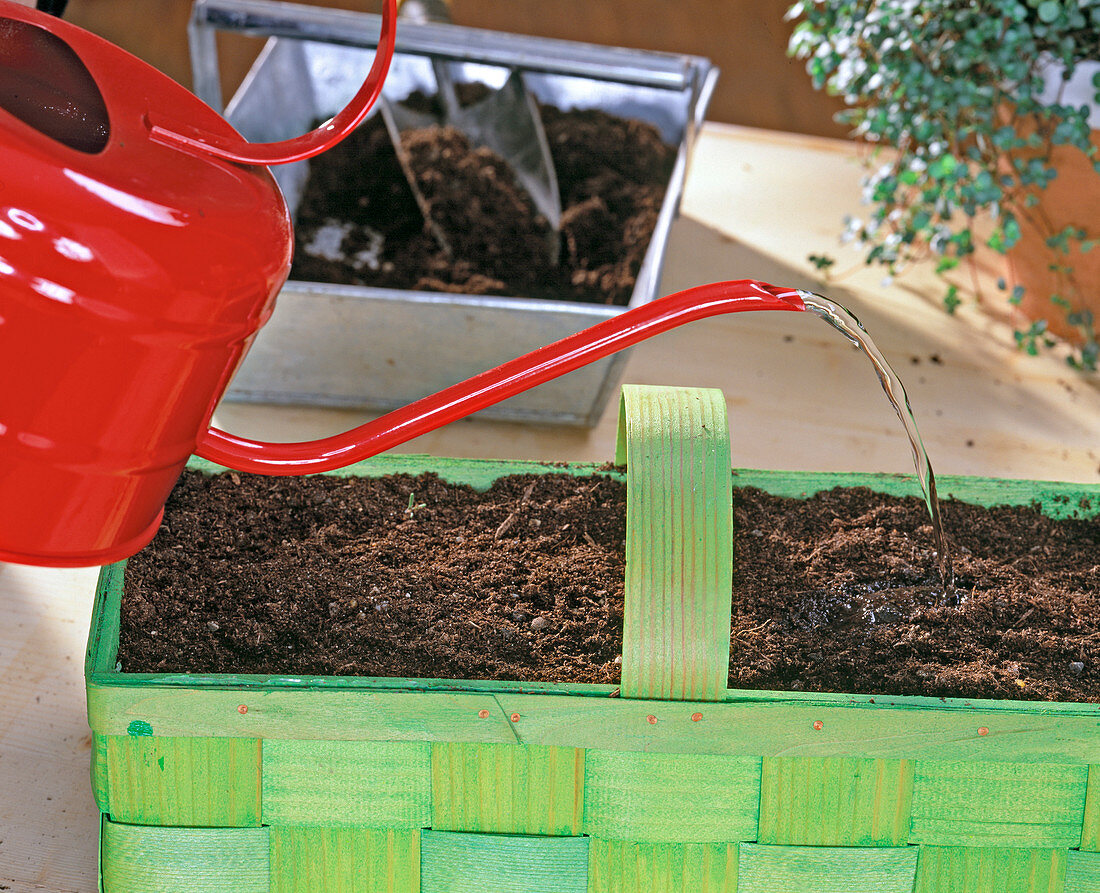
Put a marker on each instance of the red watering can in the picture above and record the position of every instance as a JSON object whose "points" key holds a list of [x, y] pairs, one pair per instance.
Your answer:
{"points": [[142, 243]]}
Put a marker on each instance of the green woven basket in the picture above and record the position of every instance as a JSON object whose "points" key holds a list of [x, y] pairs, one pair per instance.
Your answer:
{"points": [[249, 784]]}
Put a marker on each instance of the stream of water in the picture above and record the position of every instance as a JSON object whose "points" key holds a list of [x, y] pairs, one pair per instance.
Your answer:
{"points": [[847, 324]]}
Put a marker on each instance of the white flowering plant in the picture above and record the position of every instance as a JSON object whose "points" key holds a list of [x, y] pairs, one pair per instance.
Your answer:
{"points": [[961, 93]]}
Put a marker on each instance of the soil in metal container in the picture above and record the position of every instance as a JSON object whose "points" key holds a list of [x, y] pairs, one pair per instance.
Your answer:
{"points": [[414, 577], [357, 222]]}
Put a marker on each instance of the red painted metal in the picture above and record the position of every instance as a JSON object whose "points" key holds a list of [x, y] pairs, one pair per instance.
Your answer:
{"points": [[138, 259], [498, 384]]}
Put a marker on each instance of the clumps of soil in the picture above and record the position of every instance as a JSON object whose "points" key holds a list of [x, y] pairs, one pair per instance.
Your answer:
{"points": [[415, 577], [357, 222]]}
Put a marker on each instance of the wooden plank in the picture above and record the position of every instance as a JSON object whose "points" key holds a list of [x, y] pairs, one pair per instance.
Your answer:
{"points": [[659, 797], [835, 801], [212, 782], [305, 714], [507, 788], [679, 543], [991, 870], [972, 803], [477, 473], [141, 859], [101, 655], [1056, 499], [778, 727], [496, 863], [783, 869], [99, 772], [320, 860], [1082, 872], [1090, 829], [627, 866], [369, 784]]}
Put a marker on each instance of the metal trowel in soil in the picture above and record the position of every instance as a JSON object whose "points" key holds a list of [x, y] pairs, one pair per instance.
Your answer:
{"points": [[506, 121]]}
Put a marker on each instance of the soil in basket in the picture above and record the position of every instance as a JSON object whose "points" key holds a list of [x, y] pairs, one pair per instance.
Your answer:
{"points": [[415, 577], [357, 222]]}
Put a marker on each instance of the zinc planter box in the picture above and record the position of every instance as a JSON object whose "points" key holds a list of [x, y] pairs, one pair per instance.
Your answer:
{"points": [[667, 782], [359, 346]]}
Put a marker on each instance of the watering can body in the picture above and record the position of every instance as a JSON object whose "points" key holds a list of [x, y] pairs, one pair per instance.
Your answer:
{"points": [[133, 276]]}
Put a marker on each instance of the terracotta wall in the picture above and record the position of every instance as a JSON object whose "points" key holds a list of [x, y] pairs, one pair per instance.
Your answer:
{"points": [[759, 85]]}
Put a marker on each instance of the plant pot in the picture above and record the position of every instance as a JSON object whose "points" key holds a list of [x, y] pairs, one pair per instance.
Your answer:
{"points": [[668, 782], [1070, 200], [358, 346]]}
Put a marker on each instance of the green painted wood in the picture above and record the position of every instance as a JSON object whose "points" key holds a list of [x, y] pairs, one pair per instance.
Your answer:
{"points": [[368, 784], [306, 713], [497, 863], [768, 725], [835, 801], [679, 543], [1090, 829], [477, 473], [140, 859], [776, 726], [998, 804], [671, 797], [101, 655], [507, 789], [212, 782], [785, 869], [99, 772], [627, 866], [1056, 499], [1082, 872], [991, 870], [344, 860]]}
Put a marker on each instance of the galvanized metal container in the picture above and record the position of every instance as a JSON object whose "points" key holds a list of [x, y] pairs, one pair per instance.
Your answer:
{"points": [[380, 348]]}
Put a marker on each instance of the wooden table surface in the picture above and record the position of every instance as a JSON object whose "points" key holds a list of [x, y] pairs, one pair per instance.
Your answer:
{"points": [[757, 204]]}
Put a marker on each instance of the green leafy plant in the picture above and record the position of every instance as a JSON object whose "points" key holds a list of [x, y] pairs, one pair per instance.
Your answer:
{"points": [[953, 90]]}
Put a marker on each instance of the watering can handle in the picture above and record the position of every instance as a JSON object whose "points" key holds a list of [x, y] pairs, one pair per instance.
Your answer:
{"points": [[506, 380], [238, 149]]}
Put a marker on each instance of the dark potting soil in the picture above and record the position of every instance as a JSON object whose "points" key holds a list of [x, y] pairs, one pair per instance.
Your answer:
{"points": [[357, 222], [415, 577]]}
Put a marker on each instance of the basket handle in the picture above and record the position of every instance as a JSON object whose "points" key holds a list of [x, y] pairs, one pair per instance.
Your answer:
{"points": [[679, 543]]}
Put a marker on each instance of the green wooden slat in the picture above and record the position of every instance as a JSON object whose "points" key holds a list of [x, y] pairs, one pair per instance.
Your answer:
{"points": [[372, 784], [679, 562], [1055, 499], [101, 655], [507, 788], [213, 782], [99, 772], [974, 803], [767, 725], [344, 860], [776, 726], [305, 713], [495, 863], [1082, 872], [625, 866], [991, 870], [835, 801], [786, 869], [140, 859], [1090, 830], [671, 797]]}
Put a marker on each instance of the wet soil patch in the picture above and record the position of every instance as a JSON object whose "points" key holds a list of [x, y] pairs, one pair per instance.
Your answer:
{"points": [[357, 222], [415, 577]]}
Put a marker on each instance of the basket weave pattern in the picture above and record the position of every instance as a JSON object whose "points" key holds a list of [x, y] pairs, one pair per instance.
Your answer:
{"points": [[671, 784]]}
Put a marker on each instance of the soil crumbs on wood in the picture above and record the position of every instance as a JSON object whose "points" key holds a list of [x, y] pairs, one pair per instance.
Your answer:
{"points": [[415, 577], [358, 224]]}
